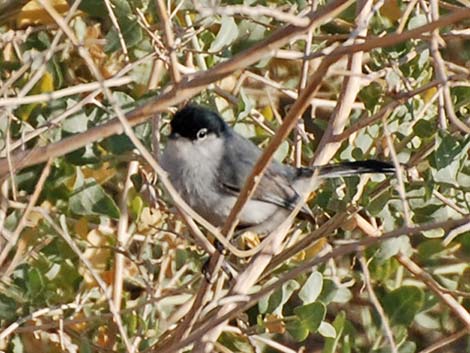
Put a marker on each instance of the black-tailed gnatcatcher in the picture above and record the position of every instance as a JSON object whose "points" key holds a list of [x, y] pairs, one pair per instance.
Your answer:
{"points": [[208, 163]]}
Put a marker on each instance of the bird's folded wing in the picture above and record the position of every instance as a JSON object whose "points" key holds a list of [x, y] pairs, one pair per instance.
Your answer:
{"points": [[275, 185]]}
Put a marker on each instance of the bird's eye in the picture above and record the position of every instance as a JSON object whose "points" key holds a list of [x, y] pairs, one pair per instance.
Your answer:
{"points": [[201, 134]]}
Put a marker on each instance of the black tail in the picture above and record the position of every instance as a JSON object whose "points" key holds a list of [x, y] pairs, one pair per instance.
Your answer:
{"points": [[355, 168]]}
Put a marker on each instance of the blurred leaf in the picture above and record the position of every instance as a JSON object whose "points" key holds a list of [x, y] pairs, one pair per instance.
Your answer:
{"points": [[391, 10], [311, 315], [327, 330], [129, 27], [448, 157], [282, 151], [429, 248], [89, 198], [371, 96], [407, 347], [136, 206], [76, 124], [402, 304], [280, 297], [33, 13], [8, 307], [448, 148], [391, 247], [17, 345], [297, 330], [328, 291], [434, 233], [417, 21], [35, 282], [274, 324], [311, 288], [227, 34], [331, 343], [377, 205], [424, 128], [236, 342]]}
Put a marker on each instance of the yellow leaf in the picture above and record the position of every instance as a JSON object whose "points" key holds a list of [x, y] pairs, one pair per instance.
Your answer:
{"points": [[101, 174], [149, 218], [274, 324], [45, 84], [81, 227], [299, 257], [428, 94], [314, 249], [34, 14], [267, 113], [98, 254], [391, 10], [249, 240]]}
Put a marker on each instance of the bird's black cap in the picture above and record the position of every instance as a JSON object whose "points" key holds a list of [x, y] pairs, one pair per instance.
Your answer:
{"points": [[192, 118]]}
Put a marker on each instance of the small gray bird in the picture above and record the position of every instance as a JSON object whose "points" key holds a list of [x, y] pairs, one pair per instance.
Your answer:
{"points": [[208, 163]]}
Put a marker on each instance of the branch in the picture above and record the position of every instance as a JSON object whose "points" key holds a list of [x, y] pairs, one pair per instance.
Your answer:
{"points": [[193, 85], [340, 251]]}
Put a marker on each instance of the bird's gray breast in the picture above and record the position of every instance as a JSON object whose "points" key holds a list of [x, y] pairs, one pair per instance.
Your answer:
{"points": [[193, 168]]}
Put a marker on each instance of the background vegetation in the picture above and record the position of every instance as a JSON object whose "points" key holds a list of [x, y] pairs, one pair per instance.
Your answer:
{"points": [[94, 256]]}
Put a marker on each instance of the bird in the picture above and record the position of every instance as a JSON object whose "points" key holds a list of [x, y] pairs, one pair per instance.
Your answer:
{"points": [[208, 162]]}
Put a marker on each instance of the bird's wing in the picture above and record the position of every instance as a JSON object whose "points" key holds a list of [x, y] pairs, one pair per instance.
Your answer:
{"points": [[275, 185]]}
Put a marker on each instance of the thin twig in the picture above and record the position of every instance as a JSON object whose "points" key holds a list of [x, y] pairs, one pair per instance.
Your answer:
{"points": [[340, 251], [69, 91], [170, 40], [122, 236], [256, 12], [449, 300], [22, 222], [375, 302], [115, 23], [350, 88], [441, 74], [445, 341], [198, 82]]}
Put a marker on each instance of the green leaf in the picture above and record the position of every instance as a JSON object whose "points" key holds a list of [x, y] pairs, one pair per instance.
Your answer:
{"points": [[447, 150], [407, 347], [311, 288], [282, 151], [94, 8], [8, 308], [90, 199], [371, 96], [283, 296], [328, 291], [227, 34], [76, 124], [327, 330], [417, 21], [297, 330], [391, 247], [434, 233], [377, 205], [429, 248], [424, 128], [449, 158], [236, 342], [129, 27], [402, 304], [35, 282], [311, 315], [17, 345], [137, 205], [331, 343]]}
